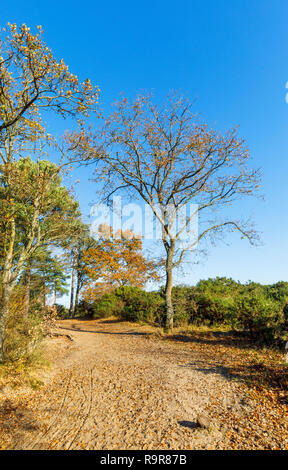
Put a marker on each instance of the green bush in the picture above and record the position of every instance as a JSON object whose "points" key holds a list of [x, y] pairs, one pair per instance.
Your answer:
{"points": [[262, 311], [184, 304], [62, 311], [108, 305], [215, 301], [130, 304], [262, 316], [141, 306], [102, 308]]}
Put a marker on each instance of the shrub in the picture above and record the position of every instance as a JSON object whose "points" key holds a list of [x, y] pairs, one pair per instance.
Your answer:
{"points": [[262, 311], [130, 304], [84, 309], [23, 338], [141, 306], [215, 301], [108, 305], [23, 334], [62, 311], [185, 307], [261, 315]]}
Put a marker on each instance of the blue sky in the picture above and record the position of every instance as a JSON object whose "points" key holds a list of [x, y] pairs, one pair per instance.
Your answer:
{"points": [[232, 55]]}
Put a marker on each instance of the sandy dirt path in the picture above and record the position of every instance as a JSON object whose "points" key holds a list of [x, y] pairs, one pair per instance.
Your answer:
{"points": [[117, 388]]}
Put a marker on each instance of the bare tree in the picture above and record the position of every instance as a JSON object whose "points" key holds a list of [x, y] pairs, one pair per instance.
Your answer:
{"points": [[170, 159]]}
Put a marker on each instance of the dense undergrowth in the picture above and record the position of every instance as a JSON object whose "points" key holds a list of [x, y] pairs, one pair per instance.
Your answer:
{"points": [[260, 311], [23, 345]]}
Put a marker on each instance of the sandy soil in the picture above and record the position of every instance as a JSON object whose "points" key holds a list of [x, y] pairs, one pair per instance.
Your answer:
{"points": [[114, 387]]}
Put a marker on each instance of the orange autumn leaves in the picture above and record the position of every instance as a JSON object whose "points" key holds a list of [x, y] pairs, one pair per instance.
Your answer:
{"points": [[116, 261]]}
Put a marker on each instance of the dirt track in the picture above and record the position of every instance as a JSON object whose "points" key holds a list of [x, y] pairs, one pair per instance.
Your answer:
{"points": [[116, 388]]}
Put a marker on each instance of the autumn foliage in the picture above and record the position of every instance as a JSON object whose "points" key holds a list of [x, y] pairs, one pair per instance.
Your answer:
{"points": [[116, 261], [32, 79]]}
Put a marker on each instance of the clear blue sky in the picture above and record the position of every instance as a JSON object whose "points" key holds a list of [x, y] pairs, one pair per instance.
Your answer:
{"points": [[230, 54]]}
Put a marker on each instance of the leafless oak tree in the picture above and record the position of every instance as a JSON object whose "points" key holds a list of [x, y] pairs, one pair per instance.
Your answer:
{"points": [[170, 159]]}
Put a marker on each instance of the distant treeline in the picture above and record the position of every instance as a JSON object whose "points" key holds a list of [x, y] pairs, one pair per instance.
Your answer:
{"points": [[259, 310]]}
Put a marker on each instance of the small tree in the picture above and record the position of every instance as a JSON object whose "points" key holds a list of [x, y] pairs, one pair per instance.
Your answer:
{"points": [[84, 244], [116, 261], [165, 156]]}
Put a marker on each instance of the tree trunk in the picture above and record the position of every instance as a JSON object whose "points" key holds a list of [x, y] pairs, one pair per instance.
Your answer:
{"points": [[168, 288], [27, 290], [6, 289], [71, 309], [77, 294], [55, 296], [4, 312], [44, 289]]}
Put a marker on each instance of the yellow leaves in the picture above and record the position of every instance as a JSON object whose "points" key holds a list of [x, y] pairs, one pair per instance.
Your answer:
{"points": [[117, 260], [31, 76], [87, 85], [13, 27]]}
